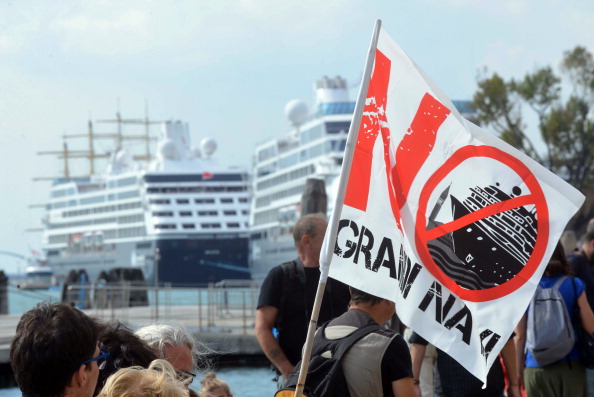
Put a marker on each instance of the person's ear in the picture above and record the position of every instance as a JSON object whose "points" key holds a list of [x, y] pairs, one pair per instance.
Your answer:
{"points": [[79, 378], [305, 239]]}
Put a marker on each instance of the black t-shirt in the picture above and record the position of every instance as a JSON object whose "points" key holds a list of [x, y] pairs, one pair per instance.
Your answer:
{"points": [[584, 269], [456, 381], [293, 319], [396, 363]]}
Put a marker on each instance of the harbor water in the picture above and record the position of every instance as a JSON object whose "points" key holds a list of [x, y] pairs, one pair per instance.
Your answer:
{"points": [[244, 381]]}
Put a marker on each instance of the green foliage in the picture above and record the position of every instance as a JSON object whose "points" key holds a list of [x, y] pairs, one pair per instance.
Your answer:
{"points": [[566, 126]]}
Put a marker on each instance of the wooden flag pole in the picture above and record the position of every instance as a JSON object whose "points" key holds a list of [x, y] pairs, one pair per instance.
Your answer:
{"points": [[333, 226]]}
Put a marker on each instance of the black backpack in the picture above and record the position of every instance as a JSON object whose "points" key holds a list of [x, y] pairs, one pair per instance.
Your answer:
{"points": [[325, 377]]}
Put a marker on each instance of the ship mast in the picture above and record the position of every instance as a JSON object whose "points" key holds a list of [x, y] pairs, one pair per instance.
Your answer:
{"points": [[120, 137], [91, 154]]}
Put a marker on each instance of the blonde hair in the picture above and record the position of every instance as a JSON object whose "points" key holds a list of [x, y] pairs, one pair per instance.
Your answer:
{"points": [[211, 382], [159, 380]]}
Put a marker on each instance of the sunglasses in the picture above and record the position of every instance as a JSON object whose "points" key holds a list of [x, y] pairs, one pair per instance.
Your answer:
{"points": [[101, 359], [185, 376]]}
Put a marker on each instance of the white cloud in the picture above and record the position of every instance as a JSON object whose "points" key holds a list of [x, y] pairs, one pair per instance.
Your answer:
{"points": [[110, 29]]}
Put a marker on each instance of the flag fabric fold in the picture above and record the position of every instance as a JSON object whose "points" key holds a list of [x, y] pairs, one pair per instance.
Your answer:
{"points": [[441, 217]]}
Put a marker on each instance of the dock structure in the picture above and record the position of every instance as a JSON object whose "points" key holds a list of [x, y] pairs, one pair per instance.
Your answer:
{"points": [[221, 318]]}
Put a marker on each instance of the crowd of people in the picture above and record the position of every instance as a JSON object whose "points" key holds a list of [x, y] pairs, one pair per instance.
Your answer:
{"points": [[60, 351], [385, 363]]}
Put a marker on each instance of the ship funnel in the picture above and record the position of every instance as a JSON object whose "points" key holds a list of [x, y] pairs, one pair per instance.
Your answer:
{"points": [[331, 90]]}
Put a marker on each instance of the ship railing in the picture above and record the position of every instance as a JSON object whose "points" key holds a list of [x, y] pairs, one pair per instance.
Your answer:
{"points": [[206, 309]]}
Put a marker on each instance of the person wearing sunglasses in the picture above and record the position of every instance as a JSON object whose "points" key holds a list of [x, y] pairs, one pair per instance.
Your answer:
{"points": [[54, 352], [176, 345]]}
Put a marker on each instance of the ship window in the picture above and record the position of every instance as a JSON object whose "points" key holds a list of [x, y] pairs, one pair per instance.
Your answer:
{"points": [[159, 201], [194, 189], [288, 161], [58, 193], [210, 225], [163, 213], [233, 225], [92, 200], [242, 200], [183, 201], [256, 236], [130, 219], [126, 206], [127, 181], [58, 205], [188, 226], [185, 213], [204, 201], [206, 213], [244, 212], [311, 134], [266, 153], [144, 245], [338, 127], [230, 212], [214, 189], [130, 194], [315, 151], [226, 200], [165, 226]]}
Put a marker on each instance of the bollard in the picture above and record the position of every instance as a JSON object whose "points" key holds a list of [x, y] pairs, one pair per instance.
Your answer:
{"points": [[3, 293]]}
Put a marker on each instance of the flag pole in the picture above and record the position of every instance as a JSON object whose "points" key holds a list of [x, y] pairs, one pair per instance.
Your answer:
{"points": [[327, 252]]}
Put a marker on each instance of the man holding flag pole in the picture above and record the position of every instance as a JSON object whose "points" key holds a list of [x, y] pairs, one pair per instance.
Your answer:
{"points": [[461, 225]]}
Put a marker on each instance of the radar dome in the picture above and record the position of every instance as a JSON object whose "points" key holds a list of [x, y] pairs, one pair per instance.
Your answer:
{"points": [[208, 147], [167, 149], [296, 111], [123, 157]]}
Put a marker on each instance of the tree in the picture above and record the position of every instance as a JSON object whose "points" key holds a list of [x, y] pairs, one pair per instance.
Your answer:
{"points": [[566, 125]]}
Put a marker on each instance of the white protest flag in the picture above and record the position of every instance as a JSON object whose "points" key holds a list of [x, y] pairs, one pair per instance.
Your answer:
{"points": [[443, 218]]}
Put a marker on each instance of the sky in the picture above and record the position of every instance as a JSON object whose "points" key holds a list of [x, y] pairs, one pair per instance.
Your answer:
{"points": [[228, 68]]}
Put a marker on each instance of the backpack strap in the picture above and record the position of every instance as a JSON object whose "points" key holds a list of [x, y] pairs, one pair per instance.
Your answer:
{"points": [[340, 346], [298, 268], [291, 270], [558, 283]]}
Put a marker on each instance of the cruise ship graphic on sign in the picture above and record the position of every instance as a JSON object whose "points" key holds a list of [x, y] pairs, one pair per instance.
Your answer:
{"points": [[490, 251]]}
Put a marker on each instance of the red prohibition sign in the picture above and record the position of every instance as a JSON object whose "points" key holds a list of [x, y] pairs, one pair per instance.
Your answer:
{"points": [[535, 197]]}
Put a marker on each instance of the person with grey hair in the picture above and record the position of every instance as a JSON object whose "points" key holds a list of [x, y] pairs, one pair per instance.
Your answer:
{"points": [[174, 344], [287, 296]]}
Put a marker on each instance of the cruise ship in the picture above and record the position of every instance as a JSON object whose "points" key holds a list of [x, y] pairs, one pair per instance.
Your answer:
{"points": [[176, 214], [312, 148]]}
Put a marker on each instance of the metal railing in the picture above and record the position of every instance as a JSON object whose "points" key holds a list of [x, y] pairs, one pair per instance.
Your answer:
{"points": [[211, 309]]}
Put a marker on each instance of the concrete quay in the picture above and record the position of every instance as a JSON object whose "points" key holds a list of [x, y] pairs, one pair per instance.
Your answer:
{"points": [[227, 332]]}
